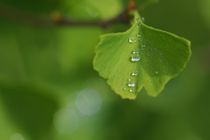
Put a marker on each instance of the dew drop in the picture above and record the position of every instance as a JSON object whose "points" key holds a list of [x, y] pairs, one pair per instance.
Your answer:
{"points": [[135, 59], [143, 19], [134, 74], [135, 52], [131, 91], [131, 85], [132, 40]]}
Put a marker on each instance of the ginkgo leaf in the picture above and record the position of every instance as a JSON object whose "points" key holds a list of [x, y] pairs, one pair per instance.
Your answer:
{"points": [[142, 57]]}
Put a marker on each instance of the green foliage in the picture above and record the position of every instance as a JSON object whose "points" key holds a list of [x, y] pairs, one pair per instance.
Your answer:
{"points": [[93, 9], [43, 72], [23, 102], [204, 8], [140, 57]]}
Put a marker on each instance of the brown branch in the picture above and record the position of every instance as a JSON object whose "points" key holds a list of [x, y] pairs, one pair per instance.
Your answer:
{"points": [[132, 5], [58, 20]]}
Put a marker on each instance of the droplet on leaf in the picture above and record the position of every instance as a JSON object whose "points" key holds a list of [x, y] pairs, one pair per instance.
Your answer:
{"points": [[131, 90], [132, 40], [131, 84], [134, 74], [135, 52], [135, 59]]}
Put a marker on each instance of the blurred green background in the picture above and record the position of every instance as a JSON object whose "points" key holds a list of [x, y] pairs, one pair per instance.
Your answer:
{"points": [[49, 90]]}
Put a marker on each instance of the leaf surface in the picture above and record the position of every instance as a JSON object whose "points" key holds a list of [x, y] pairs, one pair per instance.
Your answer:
{"points": [[141, 57]]}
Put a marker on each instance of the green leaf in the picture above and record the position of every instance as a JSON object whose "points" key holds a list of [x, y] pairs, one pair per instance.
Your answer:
{"points": [[142, 57]]}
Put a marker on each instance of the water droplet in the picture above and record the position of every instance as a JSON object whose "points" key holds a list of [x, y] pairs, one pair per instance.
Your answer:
{"points": [[132, 90], [135, 59], [135, 52], [132, 40], [143, 19], [134, 74], [132, 85]]}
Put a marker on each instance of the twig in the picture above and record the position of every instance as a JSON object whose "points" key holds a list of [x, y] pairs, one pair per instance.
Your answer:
{"points": [[18, 16]]}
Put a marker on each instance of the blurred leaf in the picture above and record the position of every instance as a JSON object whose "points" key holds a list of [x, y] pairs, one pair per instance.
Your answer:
{"points": [[6, 126], [140, 57], [76, 47], [86, 9], [50, 57], [204, 8], [30, 107]]}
